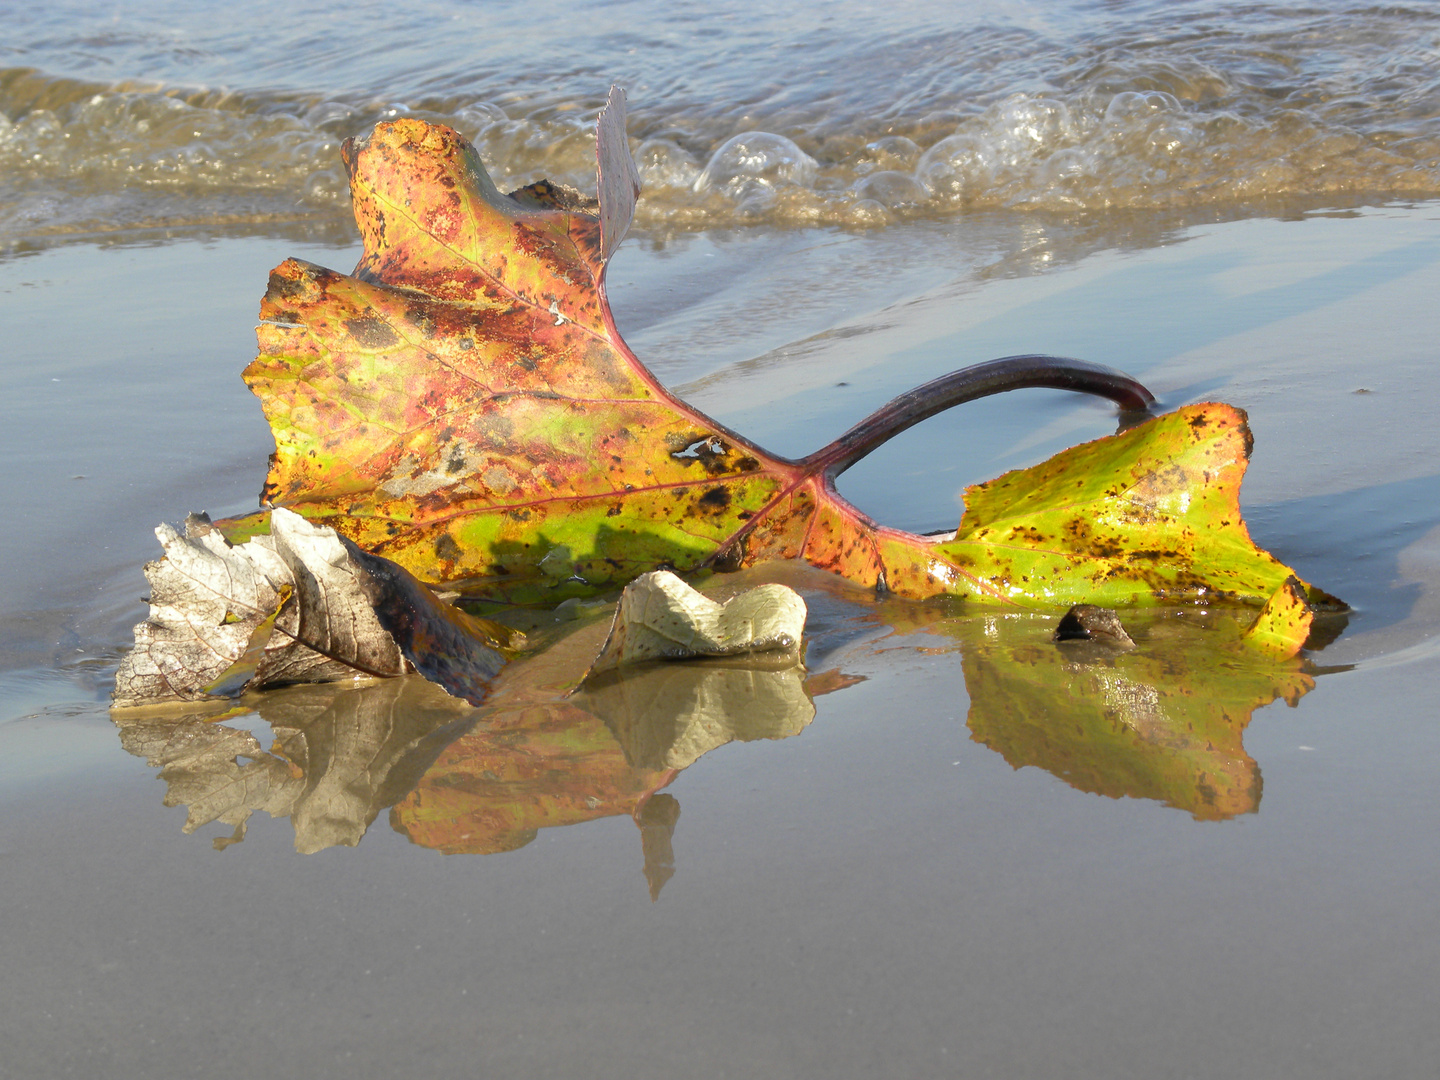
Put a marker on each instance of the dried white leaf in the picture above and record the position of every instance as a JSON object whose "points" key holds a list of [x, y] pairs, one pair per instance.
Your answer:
{"points": [[207, 598], [659, 617]]}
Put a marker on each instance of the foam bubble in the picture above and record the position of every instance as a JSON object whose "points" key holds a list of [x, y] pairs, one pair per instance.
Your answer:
{"points": [[756, 160], [890, 188]]}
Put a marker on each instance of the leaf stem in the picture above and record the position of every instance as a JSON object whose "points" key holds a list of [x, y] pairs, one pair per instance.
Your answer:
{"points": [[967, 384]]}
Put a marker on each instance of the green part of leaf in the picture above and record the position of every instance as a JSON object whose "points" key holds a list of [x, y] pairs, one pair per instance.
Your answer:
{"points": [[1151, 515]]}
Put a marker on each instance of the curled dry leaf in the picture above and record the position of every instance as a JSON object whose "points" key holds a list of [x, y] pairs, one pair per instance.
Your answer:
{"points": [[301, 604], [659, 617]]}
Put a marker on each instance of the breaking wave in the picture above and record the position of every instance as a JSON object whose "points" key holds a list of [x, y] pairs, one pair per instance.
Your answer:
{"points": [[1342, 105]]}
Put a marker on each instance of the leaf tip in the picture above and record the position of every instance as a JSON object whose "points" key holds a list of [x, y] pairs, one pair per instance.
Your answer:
{"points": [[1283, 625], [618, 179]]}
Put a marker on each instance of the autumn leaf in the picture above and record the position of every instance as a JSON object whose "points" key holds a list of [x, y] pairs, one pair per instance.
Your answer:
{"points": [[1153, 512], [463, 405]]}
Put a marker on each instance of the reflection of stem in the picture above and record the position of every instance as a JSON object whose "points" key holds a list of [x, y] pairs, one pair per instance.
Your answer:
{"points": [[967, 384], [657, 818]]}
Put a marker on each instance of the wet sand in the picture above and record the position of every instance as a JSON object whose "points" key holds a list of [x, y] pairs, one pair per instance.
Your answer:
{"points": [[886, 893]]}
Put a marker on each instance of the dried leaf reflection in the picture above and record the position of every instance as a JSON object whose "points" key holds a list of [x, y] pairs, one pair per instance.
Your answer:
{"points": [[339, 755], [469, 780]]}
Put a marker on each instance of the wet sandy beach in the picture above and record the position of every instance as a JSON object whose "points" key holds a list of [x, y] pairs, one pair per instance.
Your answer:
{"points": [[909, 886]]}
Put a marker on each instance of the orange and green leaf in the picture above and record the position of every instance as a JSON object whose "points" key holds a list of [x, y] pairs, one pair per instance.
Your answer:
{"points": [[463, 405]]}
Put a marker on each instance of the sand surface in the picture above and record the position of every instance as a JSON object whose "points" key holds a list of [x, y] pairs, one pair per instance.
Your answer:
{"points": [[883, 894]]}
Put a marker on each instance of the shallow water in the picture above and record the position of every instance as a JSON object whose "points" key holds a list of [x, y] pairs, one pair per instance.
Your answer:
{"points": [[114, 118], [951, 866]]}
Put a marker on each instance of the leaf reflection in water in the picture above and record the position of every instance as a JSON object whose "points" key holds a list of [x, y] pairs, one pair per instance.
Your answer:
{"points": [[603, 752], [341, 753], [463, 780], [1161, 721]]}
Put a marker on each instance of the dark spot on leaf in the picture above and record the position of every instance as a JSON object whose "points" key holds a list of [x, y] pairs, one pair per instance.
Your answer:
{"points": [[372, 331], [422, 321], [446, 548], [717, 498], [284, 287]]}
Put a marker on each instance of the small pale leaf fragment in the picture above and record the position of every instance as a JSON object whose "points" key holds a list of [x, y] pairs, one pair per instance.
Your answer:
{"points": [[659, 617]]}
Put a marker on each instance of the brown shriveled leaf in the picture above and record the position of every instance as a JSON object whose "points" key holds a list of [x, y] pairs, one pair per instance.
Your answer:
{"points": [[301, 604], [463, 405]]}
